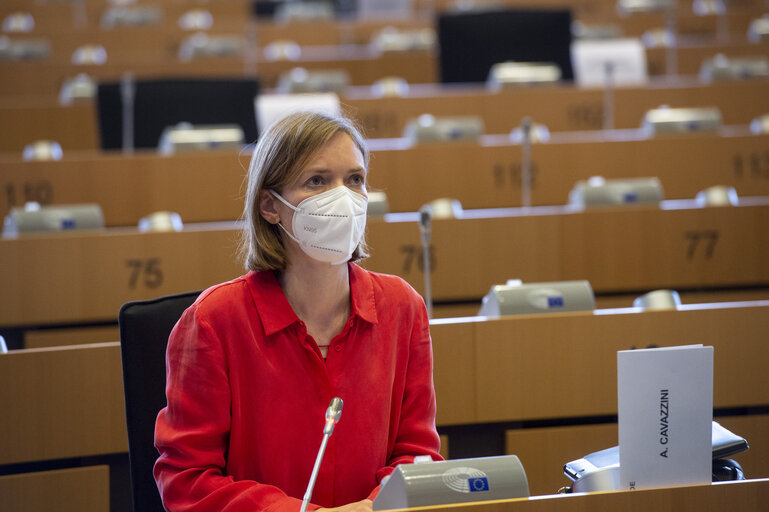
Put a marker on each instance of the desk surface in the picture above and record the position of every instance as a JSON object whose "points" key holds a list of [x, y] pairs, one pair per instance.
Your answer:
{"points": [[745, 495]]}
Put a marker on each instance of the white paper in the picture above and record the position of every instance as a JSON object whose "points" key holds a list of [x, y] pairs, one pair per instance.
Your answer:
{"points": [[271, 107], [665, 405], [627, 57]]}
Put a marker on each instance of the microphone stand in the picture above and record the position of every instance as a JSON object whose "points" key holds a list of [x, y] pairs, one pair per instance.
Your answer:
{"points": [[333, 413], [425, 228]]}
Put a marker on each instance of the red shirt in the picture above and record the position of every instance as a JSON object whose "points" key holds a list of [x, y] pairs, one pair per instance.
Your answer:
{"points": [[248, 389]]}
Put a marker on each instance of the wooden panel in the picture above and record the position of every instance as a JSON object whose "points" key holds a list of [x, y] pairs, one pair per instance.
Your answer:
{"points": [[744, 495], [43, 338], [362, 64], [689, 297], [61, 403], [616, 250], [96, 273], [689, 59], [478, 176], [455, 374], [544, 451], [64, 490], [525, 366], [490, 176], [74, 126], [199, 186], [444, 447], [560, 108], [463, 309], [88, 276]]}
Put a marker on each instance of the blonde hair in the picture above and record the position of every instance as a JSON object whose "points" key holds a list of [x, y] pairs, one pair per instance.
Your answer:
{"points": [[278, 159]]}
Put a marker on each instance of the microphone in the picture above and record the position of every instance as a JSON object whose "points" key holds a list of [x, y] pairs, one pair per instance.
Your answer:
{"points": [[333, 413], [425, 229]]}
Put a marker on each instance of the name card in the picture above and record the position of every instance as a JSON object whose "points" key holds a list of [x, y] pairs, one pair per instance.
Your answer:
{"points": [[627, 58], [665, 405]]}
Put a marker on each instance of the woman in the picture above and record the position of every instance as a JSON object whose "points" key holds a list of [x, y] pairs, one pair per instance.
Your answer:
{"points": [[253, 364]]}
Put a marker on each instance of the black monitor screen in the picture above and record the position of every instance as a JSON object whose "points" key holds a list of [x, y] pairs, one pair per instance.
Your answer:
{"points": [[162, 103], [470, 43]]}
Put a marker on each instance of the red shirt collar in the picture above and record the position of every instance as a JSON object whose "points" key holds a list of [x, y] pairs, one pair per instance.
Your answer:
{"points": [[276, 313]]}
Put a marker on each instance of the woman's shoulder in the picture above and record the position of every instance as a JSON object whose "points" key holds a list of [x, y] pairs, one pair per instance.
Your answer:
{"points": [[390, 286], [223, 297]]}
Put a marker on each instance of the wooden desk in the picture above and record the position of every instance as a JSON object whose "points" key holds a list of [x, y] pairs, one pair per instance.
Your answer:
{"points": [[744, 495], [565, 365], [63, 490], [616, 250], [690, 57], [208, 186], [489, 175], [544, 450], [560, 108], [67, 401], [554, 380], [81, 16], [62, 403], [85, 277], [363, 64]]}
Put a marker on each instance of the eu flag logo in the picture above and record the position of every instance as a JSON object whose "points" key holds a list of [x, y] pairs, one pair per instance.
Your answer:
{"points": [[478, 484], [555, 302]]}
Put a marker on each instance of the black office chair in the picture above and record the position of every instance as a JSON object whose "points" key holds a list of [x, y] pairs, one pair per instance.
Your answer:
{"points": [[144, 330]]}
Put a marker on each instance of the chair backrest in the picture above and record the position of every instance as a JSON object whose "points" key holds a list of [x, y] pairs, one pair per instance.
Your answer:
{"points": [[144, 330]]}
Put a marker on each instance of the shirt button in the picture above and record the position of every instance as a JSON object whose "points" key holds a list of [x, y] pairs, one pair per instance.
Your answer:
{"points": [[338, 348]]}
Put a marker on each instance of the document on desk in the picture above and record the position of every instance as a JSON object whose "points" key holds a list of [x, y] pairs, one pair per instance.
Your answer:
{"points": [[665, 405]]}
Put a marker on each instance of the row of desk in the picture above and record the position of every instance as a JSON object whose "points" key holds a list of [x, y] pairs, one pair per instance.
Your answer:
{"points": [[167, 36], [542, 387], [363, 64], [560, 108], [545, 386], [232, 14], [84, 277], [208, 186], [242, 9]]}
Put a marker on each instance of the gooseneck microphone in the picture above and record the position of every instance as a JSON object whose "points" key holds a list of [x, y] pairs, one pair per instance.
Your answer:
{"points": [[333, 413], [425, 229]]}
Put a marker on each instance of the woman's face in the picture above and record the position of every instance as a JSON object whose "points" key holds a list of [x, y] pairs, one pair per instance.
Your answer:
{"points": [[338, 163]]}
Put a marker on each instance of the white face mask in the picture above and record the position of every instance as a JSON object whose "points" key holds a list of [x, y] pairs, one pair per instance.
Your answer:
{"points": [[328, 226]]}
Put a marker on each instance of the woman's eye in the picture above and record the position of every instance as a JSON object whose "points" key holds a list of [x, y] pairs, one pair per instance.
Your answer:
{"points": [[357, 179], [315, 180]]}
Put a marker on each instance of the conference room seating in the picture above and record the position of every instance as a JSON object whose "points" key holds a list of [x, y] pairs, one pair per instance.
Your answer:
{"points": [[541, 387], [560, 108], [363, 64], [553, 379], [576, 381], [486, 175], [621, 251]]}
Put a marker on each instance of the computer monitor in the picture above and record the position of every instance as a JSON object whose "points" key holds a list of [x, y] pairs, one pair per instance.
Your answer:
{"points": [[167, 102], [470, 43]]}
